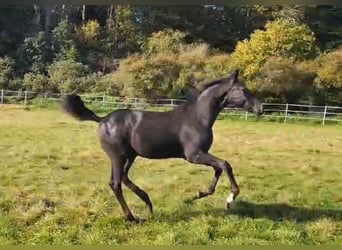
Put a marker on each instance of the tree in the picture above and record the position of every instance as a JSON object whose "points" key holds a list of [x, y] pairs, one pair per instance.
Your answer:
{"points": [[16, 23], [123, 34], [34, 55], [281, 38], [325, 21], [166, 40], [64, 41]]}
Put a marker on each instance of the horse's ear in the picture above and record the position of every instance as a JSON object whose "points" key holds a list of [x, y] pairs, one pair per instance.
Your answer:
{"points": [[235, 75]]}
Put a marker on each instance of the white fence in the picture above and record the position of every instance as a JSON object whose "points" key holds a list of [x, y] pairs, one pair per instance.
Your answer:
{"points": [[282, 112]]}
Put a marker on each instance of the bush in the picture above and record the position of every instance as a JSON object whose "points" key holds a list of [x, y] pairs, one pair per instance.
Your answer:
{"points": [[148, 78], [67, 76], [6, 71], [165, 74], [284, 79], [100, 83], [329, 73], [36, 82]]}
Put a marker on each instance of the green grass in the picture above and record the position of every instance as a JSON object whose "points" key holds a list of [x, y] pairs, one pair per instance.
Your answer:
{"points": [[54, 186]]}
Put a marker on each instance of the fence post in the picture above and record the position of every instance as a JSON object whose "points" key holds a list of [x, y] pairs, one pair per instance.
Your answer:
{"points": [[286, 111], [172, 102], [25, 98], [45, 96], [2, 97], [103, 100], [246, 115], [324, 114]]}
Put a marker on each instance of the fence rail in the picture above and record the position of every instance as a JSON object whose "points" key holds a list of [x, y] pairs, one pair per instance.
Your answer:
{"points": [[280, 111]]}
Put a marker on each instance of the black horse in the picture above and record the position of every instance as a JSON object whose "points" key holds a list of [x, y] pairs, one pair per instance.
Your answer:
{"points": [[184, 132]]}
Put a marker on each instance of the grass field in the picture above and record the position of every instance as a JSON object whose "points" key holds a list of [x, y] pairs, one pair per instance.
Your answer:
{"points": [[54, 186]]}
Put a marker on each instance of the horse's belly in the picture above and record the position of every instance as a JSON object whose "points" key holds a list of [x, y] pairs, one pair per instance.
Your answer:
{"points": [[157, 147]]}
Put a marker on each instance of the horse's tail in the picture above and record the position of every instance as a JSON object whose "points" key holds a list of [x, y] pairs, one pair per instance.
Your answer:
{"points": [[74, 106]]}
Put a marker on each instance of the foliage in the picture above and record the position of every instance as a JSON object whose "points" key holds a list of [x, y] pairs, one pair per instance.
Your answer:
{"points": [[147, 77], [329, 73], [6, 71], [36, 82], [219, 64], [283, 78], [101, 83], [192, 59], [34, 55], [166, 40], [198, 38], [281, 38], [325, 21], [64, 41], [90, 32], [123, 35], [66, 76], [165, 74]]}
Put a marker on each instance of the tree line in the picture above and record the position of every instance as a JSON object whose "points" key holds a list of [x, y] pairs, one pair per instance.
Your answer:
{"points": [[284, 53]]}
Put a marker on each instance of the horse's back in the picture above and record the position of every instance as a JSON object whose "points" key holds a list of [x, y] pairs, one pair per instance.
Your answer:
{"points": [[148, 134]]}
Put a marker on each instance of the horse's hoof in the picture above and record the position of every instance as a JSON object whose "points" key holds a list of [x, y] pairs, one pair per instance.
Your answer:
{"points": [[189, 201], [140, 221], [149, 210], [131, 218], [229, 200], [198, 194]]}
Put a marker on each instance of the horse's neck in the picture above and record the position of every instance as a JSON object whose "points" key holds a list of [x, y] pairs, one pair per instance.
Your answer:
{"points": [[207, 114]]}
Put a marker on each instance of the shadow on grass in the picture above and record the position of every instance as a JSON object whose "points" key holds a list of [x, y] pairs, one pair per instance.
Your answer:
{"points": [[281, 211], [244, 209]]}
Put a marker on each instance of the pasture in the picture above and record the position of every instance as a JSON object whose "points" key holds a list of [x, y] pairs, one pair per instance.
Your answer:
{"points": [[54, 186]]}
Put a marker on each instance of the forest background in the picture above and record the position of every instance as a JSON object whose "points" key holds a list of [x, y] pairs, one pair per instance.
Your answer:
{"points": [[289, 54]]}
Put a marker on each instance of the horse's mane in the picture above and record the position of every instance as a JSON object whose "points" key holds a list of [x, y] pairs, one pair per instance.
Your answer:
{"points": [[213, 82], [196, 90]]}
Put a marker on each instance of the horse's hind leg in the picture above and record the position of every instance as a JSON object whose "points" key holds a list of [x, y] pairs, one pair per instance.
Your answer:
{"points": [[138, 191], [115, 184]]}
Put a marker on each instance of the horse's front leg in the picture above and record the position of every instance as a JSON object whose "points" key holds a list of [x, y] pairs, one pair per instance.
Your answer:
{"points": [[219, 165]]}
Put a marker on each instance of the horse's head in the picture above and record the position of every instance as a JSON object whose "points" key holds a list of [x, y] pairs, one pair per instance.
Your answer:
{"points": [[228, 90], [241, 97]]}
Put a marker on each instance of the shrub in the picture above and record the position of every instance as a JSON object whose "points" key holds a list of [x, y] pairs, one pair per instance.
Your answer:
{"points": [[165, 74], [66, 76], [329, 73], [36, 82], [147, 78], [6, 71], [283, 78]]}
